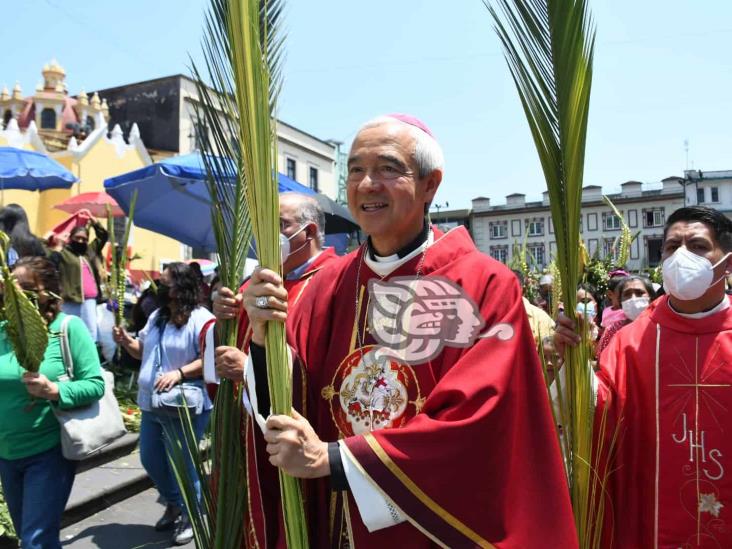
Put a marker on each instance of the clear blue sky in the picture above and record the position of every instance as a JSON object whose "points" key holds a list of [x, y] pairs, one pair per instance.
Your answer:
{"points": [[663, 74]]}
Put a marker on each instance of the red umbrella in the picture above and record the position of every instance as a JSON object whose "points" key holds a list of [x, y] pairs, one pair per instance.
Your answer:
{"points": [[95, 202]]}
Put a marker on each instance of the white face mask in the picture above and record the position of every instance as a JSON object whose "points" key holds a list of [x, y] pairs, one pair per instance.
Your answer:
{"points": [[634, 306], [686, 276], [285, 251]]}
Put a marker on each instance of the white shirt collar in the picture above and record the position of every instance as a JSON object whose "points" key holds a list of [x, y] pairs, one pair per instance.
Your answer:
{"points": [[384, 266], [721, 306]]}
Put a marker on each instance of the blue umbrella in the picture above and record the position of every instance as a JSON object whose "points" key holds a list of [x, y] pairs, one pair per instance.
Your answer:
{"points": [[32, 171], [173, 198]]}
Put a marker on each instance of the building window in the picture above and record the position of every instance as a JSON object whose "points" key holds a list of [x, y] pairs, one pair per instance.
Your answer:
{"points": [[610, 221], [700, 195], [499, 253], [90, 123], [535, 226], [498, 229], [537, 253], [608, 247], [200, 136], [516, 227], [654, 247], [48, 119], [715, 194], [635, 250], [314, 179], [291, 168], [591, 221], [653, 217], [6, 117]]}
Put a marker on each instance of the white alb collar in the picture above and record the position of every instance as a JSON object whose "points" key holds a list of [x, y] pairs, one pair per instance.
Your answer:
{"points": [[384, 266], [724, 304]]}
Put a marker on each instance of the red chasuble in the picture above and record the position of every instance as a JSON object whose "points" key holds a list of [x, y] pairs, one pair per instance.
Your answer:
{"points": [[667, 382], [260, 502], [431, 378]]}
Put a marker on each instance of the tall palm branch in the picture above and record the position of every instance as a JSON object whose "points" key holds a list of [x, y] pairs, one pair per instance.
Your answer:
{"points": [[243, 49], [549, 45], [257, 49]]}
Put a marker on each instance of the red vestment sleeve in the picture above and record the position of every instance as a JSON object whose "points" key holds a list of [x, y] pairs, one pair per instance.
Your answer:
{"points": [[480, 465]]}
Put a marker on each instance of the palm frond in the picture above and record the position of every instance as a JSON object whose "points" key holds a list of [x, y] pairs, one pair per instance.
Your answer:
{"points": [[257, 47], [623, 242], [549, 45], [222, 153], [118, 265], [27, 330], [243, 50]]}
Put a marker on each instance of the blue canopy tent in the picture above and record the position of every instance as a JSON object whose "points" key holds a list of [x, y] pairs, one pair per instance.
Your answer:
{"points": [[32, 171], [173, 200]]}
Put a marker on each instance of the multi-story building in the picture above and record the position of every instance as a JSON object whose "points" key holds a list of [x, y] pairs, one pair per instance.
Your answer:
{"points": [[165, 112], [713, 189], [499, 230]]}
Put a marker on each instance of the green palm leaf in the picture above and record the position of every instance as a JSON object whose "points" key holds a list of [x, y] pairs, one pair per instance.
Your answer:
{"points": [[549, 45], [243, 49], [118, 265], [27, 330], [623, 242], [257, 48]]}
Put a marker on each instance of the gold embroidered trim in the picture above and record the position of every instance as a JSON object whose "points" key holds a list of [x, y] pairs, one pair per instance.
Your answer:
{"points": [[414, 523], [352, 347], [252, 533], [421, 496]]}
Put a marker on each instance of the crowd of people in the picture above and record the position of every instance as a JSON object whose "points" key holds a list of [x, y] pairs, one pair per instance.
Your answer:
{"points": [[420, 406]]}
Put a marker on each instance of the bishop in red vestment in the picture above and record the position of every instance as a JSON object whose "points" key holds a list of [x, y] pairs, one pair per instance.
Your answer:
{"points": [[428, 422], [666, 386]]}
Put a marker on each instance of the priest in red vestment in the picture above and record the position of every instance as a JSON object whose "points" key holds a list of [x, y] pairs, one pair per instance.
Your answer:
{"points": [[302, 223], [423, 419], [666, 382]]}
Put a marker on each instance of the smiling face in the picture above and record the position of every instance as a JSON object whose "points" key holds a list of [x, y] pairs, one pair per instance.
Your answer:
{"points": [[386, 196]]}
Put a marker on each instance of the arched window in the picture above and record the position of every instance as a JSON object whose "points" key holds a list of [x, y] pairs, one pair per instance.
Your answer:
{"points": [[7, 115], [48, 119], [90, 123]]}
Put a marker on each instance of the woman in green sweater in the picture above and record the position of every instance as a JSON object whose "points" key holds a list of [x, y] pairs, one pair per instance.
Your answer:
{"points": [[36, 478]]}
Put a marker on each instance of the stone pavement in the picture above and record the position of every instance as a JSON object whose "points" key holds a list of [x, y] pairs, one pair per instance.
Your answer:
{"points": [[128, 524]]}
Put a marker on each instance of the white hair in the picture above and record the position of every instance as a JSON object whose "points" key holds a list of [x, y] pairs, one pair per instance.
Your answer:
{"points": [[427, 151], [309, 211]]}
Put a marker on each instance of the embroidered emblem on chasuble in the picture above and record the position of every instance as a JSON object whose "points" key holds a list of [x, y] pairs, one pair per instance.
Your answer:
{"points": [[694, 392], [371, 391]]}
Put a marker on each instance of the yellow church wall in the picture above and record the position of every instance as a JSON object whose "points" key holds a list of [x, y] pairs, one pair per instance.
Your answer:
{"points": [[100, 162], [95, 159]]}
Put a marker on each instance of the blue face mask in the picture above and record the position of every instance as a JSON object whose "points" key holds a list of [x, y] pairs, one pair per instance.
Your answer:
{"points": [[586, 309]]}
